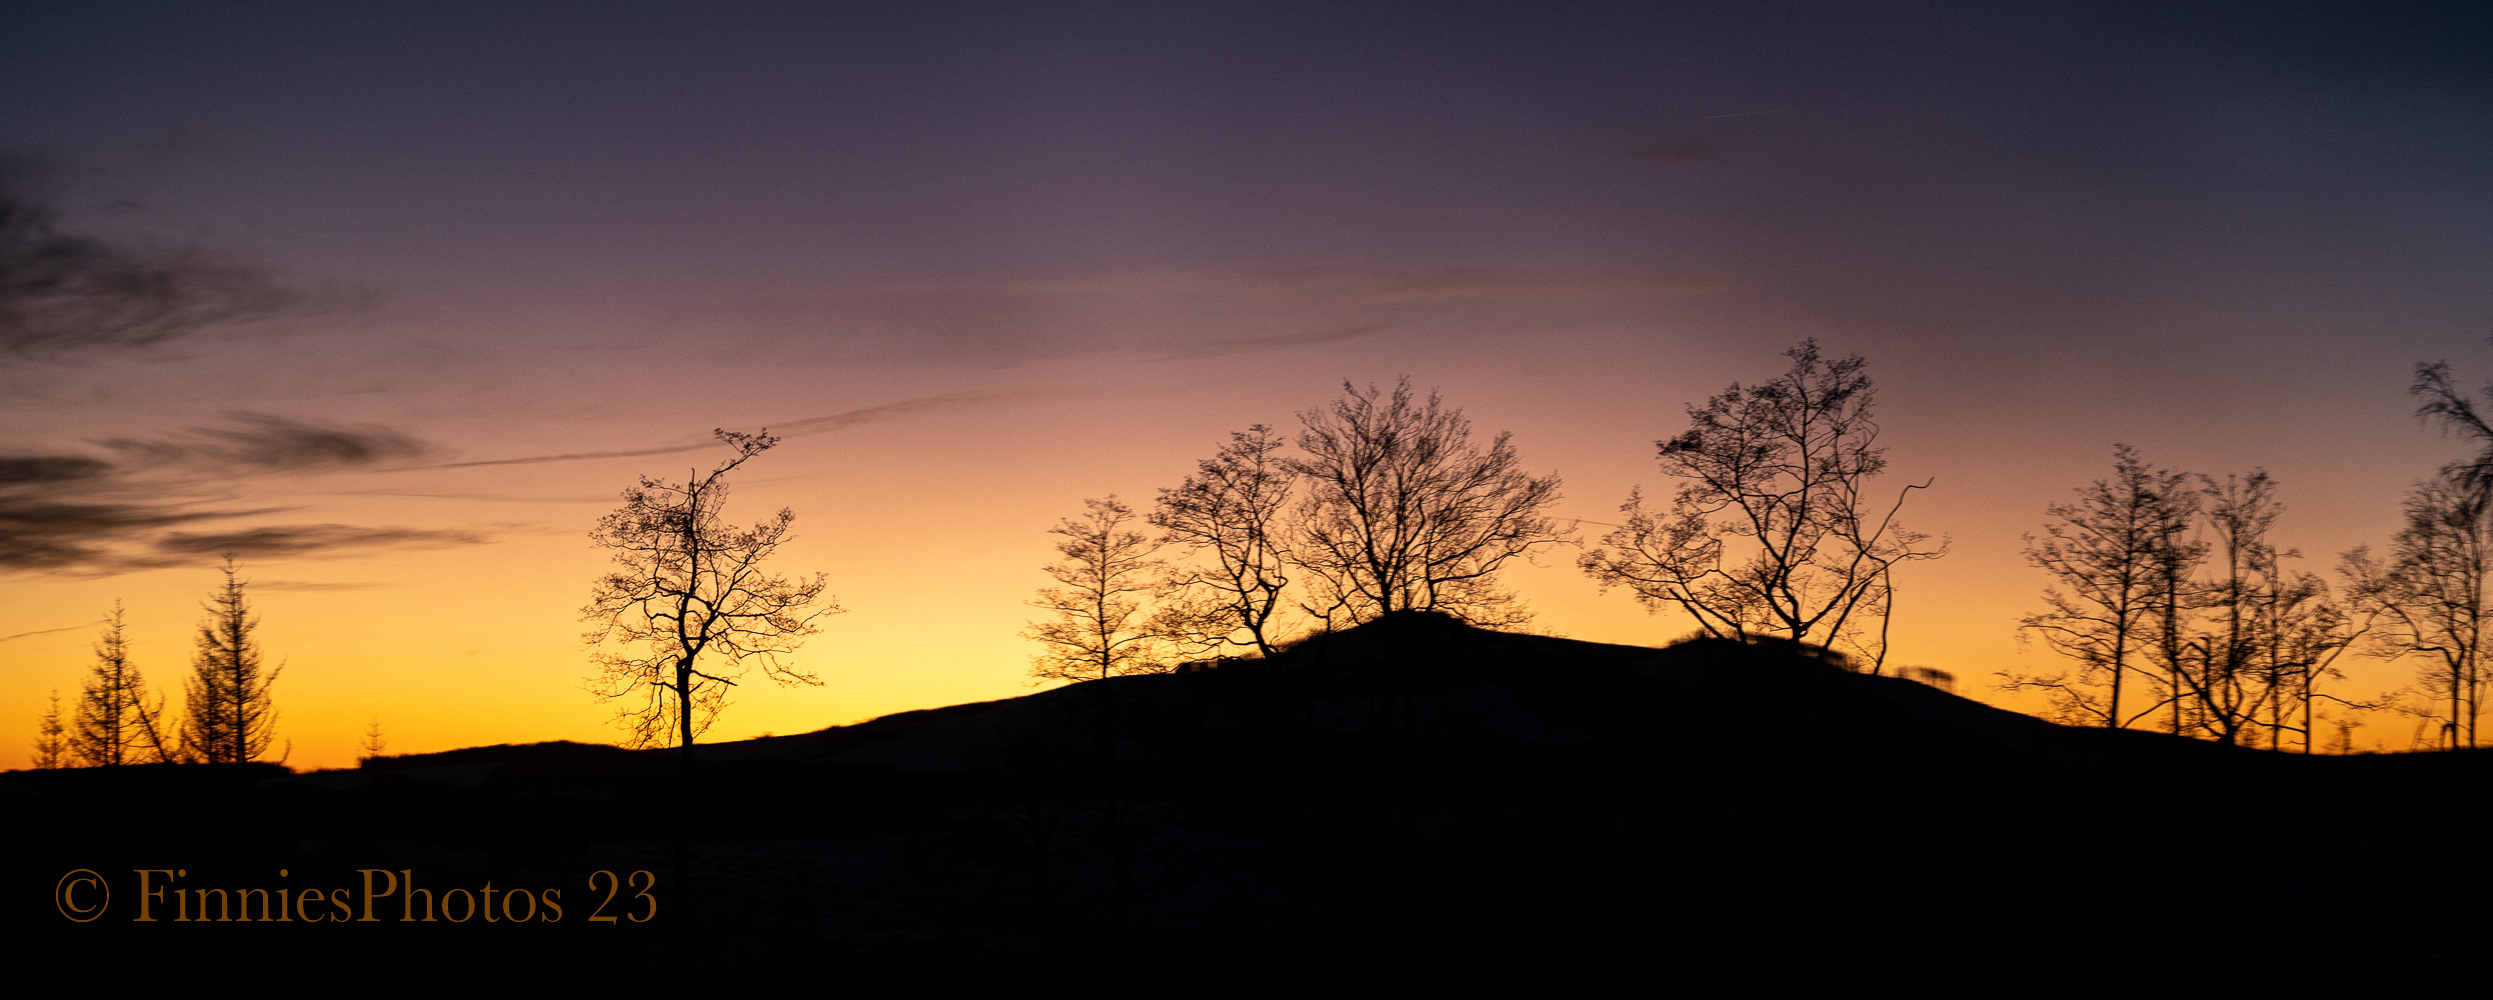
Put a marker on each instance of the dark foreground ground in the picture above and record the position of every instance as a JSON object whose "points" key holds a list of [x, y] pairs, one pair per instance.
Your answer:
{"points": [[1413, 803]]}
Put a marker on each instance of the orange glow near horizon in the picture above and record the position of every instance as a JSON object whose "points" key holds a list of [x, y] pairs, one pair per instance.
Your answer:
{"points": [[932, 528], [453, 284]]}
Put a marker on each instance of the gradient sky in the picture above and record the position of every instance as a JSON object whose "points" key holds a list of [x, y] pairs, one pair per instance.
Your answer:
{"points": [[981, 261]]}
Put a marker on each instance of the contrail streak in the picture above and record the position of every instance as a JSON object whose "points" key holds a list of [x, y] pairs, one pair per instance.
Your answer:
{"points": [[793, 428], [48, 631]]}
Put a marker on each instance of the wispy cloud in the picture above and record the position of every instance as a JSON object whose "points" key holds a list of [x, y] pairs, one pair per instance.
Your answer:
{"points": [[45, 530], [152, 502], [64, 296], [305, 585], [258, 442], [576, 456], [309, 540], [51, 469]]}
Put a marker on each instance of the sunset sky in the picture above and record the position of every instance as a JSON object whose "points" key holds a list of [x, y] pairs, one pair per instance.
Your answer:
{"points": [[978, 262]]}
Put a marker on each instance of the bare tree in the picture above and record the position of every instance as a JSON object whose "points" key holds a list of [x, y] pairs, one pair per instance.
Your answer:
{"points": [[2456, 411], [1103, 625], [1229, 514], [2303, 630], [2432, 590], [2105, 550], [373, 742], [2206, 627], [1772, 530], [229, 712], [1403, 513], [2261, 635], [115, 724], [2431, 597], [692, 594]]}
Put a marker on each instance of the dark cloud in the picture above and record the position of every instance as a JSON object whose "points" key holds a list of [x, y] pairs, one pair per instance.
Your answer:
{"points": [[64, 296], [50, 468], [151, 504], [44, 529], [263, 443], [319, 540], [35, 552]]}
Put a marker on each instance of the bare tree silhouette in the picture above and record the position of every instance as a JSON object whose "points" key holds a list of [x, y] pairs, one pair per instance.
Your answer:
{"points": [[2105, 550], [115, 723], [2294, 629], [229, 713], [1230, 512], [1103, 625], [1772, 530], [692, 587], [2263, 636], [1403, 513], [2431, 592], [2431, 598], [2457, 412], [2222, 657]]}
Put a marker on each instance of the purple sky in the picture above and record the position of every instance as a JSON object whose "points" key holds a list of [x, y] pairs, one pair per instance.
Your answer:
{"points": [[1007, 256]]}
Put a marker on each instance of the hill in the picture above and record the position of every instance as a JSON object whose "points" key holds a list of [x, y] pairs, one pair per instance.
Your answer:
{"points": [[1414, 799]]}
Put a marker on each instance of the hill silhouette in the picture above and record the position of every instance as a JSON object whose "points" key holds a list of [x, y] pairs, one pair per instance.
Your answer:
{"points": [[1414, 799]]}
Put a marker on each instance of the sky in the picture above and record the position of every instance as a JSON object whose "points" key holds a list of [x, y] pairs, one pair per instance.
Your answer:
{"points": [[440, 280]]}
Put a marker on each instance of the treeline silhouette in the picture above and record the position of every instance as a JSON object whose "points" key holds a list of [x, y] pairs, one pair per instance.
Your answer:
{"points": [[2180, 613], [229, 707], [2169, 596], [1387, 505]]}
